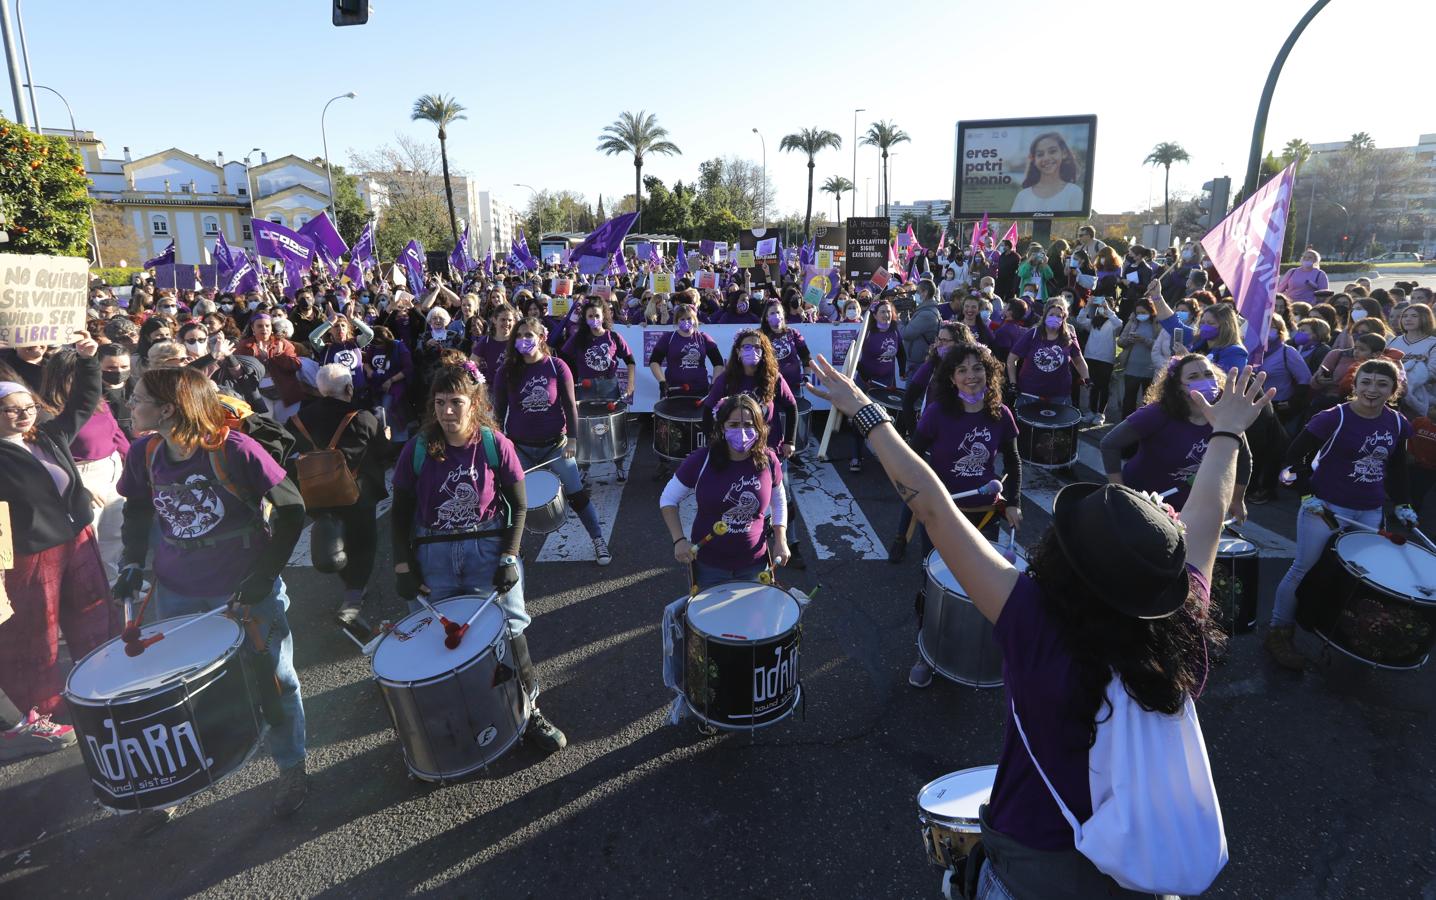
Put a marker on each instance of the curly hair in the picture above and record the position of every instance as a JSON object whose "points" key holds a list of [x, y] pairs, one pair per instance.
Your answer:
{"points": [[945, 392], [1167, 390], [718, 444], [765, 374], [1160, 661], [584, 335], [455, 379]]}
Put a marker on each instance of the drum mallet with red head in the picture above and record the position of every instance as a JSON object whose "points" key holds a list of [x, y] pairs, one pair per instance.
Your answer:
{"points": [[452, 639]]}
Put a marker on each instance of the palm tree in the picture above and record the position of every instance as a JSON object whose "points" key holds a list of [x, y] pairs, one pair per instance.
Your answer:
{"points": [[1361, 141], [810, 141], [1296, 150], [884, 135], [837, 185], [1164, 154], [442, 111], [636, 134]]}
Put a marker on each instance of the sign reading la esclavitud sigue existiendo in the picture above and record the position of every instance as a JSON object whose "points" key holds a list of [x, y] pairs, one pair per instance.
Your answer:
{"points": [[42, 298]]}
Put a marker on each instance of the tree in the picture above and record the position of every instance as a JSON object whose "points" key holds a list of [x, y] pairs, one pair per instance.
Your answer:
{"points": [[349, 211], [1164, 154], [441, 111], [407, 170], [639, 135], [118, 240], [810, 141], [884, 135], [837, 185], [44, 194], [1296, 150], [1361, 141]]}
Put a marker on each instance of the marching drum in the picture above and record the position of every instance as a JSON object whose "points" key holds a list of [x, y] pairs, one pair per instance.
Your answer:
{"points": [[158, 728], [947, 814], [890, 399], [678, 428], [955, 638], [741, 643], [457, 710], [546, 508], [602, 431], [1372, 599], [1048, 436], [805, 423], [1235, 580]]}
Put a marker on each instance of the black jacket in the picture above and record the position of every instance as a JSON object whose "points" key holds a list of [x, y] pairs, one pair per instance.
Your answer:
{"points": [[39, 517], [362, 443]]}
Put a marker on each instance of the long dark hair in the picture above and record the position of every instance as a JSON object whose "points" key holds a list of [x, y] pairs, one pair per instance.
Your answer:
{"points": [[58, 378], [718, 444], [945, 392], [765, 374], [1167, 390], [455, 380], [1160, 661], [513, 360], [585, 334], [1068, 171]]}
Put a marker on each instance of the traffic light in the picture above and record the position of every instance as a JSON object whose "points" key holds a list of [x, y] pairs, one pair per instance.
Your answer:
{"points": [[351, 12]]}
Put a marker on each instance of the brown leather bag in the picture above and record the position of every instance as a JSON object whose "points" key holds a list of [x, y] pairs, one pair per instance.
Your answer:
{"points": [[324, 478]]}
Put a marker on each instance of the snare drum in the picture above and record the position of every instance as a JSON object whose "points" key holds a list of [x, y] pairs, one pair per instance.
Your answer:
{"points": [[546, 509], [1047, 437], [805, 423], [956, 640], [159, 728], [1372, 599], [1235, 580], [741, 655], [455, 711], [947, 814], [678, 428], [602, 431], [891, 400]]}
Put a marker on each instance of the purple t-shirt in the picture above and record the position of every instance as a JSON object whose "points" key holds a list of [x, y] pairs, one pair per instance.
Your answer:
{"points": [[747, 384], [532, 413], [100, 437], [389, 361], [1301, 285], [1351, 472], [685, 360], [600, 359], [349, 355], [1040, 678], [190, 504], [740, 496], [786, 344], [488, 355], [1045, 370], [459, 494], [1168, 455], [965, 448], [878, 360]]}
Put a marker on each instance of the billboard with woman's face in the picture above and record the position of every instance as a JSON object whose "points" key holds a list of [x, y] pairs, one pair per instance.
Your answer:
{"points": [[1037, 168]]}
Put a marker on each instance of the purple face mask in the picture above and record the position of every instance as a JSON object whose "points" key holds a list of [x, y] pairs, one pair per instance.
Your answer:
{"points": [[1301, 339], [1207, 387], [942, 350], [685, 326], [741, 440], [1053, 322], [775, 320], [972, 398], [750, 354], [525, 345], [1207, 332]]}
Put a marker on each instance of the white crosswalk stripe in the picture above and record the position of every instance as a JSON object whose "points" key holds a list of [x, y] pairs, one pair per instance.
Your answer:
{"points": [[571, 543], [835, 522]]}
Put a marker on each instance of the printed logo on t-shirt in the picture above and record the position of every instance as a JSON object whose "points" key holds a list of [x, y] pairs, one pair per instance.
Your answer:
{"points": [[973, 454], [1050, 358], [347, 358], [599, 357], [189, 510], [887, 349], [1186, 473], [534, 397], [1370, 464], [783, 346], [692, 357], [380, 363], [743, 496], [460, 510]]}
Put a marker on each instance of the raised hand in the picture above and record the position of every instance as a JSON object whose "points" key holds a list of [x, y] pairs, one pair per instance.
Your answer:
{"points": [[1240, 404]]}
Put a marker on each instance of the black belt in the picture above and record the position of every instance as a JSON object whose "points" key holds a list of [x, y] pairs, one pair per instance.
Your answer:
{"points": [[461, 536]]}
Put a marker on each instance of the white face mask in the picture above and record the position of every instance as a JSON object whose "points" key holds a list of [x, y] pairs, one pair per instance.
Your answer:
{"points": [[1358, 314]]}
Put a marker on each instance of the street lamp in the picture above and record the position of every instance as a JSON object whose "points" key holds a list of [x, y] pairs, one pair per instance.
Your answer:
{"points": [[25, 59], [324, 136], [534, 191], [765, 176], [253, 189], [1259, 126], [75, 139], [855, 154]]}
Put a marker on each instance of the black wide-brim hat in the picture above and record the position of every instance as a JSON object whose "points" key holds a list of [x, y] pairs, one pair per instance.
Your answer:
{"points": [[1124, 547]]}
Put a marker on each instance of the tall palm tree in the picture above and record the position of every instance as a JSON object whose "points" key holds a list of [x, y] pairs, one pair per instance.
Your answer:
{"points": [[810, 141], [1164, 154], [883, 135], [837, 185], [442, 111], [636, 134], [1296, 150], [1361, 141]]}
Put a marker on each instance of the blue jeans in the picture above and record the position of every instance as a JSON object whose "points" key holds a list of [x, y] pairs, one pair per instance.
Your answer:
{"points": [[568, 475], [286, 741], [710, 575], [1312, 533], [989, 886], [452, 568], [597, 389]]}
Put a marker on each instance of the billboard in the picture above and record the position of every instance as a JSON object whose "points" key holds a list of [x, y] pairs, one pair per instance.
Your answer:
{"points": [[1028, 168], [867, 246]]}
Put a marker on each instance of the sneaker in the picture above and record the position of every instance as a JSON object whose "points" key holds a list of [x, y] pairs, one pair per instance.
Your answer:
{"points": [[1097, 420], [33, 735], [855, 466], [920, 675], [150, 821], [543, 733], [600, 551], [1258, 497], [1279, 646], [291, 792], [897, 549]]}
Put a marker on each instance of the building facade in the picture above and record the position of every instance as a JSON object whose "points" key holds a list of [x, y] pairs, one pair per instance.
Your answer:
{"points": [[1419, 202], [940, 211]]}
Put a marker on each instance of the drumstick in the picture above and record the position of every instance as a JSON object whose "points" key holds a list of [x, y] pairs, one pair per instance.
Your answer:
{"points": [[1397, 539], [992, 487], [449, 627], [451, 640], [542, 464], [719, 529], [1423, 538], [137, 646]]}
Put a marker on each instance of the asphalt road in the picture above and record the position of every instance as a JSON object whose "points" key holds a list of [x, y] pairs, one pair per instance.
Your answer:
{"points": [[1325, 779]]}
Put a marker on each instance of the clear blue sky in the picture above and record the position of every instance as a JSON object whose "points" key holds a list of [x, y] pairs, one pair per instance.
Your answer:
{"points": [[211, 76]]}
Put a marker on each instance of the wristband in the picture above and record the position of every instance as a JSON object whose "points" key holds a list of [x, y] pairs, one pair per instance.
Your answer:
{"points": [[870, 417], [508, 559], [676, 540], [1231, 434]]}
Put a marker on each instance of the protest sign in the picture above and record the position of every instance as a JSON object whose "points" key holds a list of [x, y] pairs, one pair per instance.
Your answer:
{"points": [[559, 306], [42, 299], [706, 281], [663, 282], [745, 259], [602, 291], [880, 279], [825, 259], [562, 287], [867, 246]]}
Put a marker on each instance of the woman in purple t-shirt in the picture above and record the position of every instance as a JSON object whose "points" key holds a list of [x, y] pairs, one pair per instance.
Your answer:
{"points": [[1347, 460], [593, 353], [1087, 607], [458, 517], [535, 406], [1042, 359], [753, 369], [680, 359], [488, 350], [1302, 283], [789, 346], [738, 481]]}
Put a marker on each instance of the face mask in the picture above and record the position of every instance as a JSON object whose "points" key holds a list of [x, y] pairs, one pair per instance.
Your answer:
{"points": [[882, 326], [226, 307], [439, 333], [851, 315], [1183, 316], [742, 306], [987, 291], [595, 324], [1143, 317], [1207, 332], [1358, 314], [686, 326], [1053, 322], [985, 316], [775, 320], [1301, 339], [1207, 387], [195, 346], [1098, 301], [1308, 263], [1186, 256], [115, 377], [741, 440], [972, 398], [169, 310], [942, 350], [750, 354], [1273, 338], [525, 345]]}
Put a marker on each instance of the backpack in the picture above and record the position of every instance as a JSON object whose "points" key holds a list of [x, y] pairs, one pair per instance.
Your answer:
{"points": [[265, 432], [324, 478]]}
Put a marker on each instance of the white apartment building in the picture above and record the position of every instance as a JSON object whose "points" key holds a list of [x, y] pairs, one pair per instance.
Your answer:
{"points": [[940, 211], [1421, 200]]}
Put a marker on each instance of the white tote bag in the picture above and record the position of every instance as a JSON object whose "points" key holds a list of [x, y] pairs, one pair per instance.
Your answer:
{"points": [[1156, 825]]}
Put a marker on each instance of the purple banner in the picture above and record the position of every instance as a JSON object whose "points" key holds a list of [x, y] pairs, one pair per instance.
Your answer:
{"points": [[277, 242]]}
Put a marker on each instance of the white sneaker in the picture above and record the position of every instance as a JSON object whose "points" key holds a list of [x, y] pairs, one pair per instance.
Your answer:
{"points": [[1098, 420], [600, 551]]}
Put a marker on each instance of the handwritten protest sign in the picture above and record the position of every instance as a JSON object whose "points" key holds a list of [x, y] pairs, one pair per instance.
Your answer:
{"points": [[663, 282], [562, 287], [825, 259], [707, 281], [745, 259], [42, 299]]}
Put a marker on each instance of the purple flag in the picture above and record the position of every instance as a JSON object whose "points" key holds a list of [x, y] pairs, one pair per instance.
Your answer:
{"points": [[706, 248], [489, 262], [459, 258], [565, 257], [597, 249], [782, 257], [619, 264], [165, 257], [223, 256], [654, 257], [354, 273], [326, 240], [363, 249], [680, 264], [245, 277], [278, 242], [1245, 249], [413, 262], [521, 251], [293, 276]]}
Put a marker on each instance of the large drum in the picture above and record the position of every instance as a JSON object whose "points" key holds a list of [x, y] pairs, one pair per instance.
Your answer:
{"points": [[1236, 578], [1047, 434], [456, 710], [158, 728], [805, 423], [890, 399], [741, 655], [947, 814], [546, 510], [955, 639], [1372, 599], [678, 428], [602, 431]]}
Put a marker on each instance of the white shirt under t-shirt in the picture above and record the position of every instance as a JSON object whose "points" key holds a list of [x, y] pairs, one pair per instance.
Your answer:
{"points": [[1069, 198]]}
